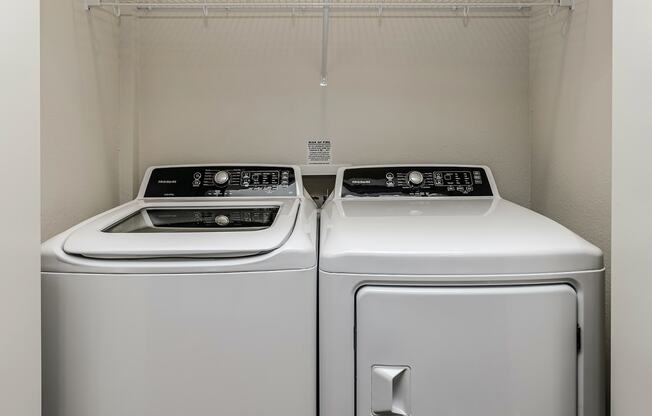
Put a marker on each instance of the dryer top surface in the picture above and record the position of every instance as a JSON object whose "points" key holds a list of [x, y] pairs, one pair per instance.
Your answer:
{"points": [[447, 236]]}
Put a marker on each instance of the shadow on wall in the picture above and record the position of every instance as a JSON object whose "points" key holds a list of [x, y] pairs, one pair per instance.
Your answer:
{"points": [[79, 103], [570, 98]]}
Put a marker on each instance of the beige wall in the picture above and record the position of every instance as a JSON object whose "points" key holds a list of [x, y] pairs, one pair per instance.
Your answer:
{"points": [[570, 107], [79, 75], [20, 327], [632, 219], [400, 90], [526, 96]]}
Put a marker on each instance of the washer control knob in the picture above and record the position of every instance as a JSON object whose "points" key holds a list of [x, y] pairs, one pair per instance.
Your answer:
{"points": [[222, 220], [221, 177], [415, 178]]}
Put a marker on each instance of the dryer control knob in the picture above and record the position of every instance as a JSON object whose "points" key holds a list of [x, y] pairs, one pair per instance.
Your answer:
{"points": [[222, 220], [221, 177], [415, 178]]}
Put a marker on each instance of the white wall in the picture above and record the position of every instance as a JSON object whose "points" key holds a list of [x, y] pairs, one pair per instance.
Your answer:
{"points": [[20, 327], [80, 87], [570, 100], [400, 90], [632, 222]]}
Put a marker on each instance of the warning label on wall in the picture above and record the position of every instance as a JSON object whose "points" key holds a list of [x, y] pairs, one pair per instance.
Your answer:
{"points": [[320, 151]]}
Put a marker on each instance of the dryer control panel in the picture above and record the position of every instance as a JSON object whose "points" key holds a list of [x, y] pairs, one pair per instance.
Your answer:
{"points": [[221, 181], [416, 181]]}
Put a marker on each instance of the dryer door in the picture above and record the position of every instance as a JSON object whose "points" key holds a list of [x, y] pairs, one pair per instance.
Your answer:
{"points": [[472, 351]]}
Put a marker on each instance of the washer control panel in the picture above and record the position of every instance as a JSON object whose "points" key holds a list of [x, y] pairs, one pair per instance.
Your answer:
{"points": [[221, 181], [416, 181]]}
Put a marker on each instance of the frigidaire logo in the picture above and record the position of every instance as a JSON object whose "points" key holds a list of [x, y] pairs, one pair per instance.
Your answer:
{"points": [[361, 181], [167, 181]]}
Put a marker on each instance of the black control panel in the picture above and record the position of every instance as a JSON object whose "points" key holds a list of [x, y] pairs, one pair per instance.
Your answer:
{"points": [[221, 181], [418, 181]]}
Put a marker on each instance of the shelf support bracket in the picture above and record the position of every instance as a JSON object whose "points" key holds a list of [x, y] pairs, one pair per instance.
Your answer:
{"points": [[91, 3], [324, 46], [567, 3]]}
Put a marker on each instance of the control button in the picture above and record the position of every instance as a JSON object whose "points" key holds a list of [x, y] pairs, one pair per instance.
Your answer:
{"points": [[197, 175], [389, 176], [222, 220], [469, 189], [415, 178], [450, 189], [221, 177], [196, 182], [390, 184]]}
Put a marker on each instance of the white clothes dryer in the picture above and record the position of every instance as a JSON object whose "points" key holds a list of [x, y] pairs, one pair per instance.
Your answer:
{"points": [[438, 297], [197, 298]]}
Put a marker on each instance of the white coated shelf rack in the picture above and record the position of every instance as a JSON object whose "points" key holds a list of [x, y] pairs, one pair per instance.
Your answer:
{"points": [[458, 8]]}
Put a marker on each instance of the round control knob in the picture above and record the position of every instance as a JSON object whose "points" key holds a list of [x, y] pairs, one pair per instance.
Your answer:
{"points": [[415, 178], [221, 177], [222, 220]]}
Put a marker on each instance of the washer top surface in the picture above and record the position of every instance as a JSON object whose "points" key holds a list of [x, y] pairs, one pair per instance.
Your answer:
{"points": [[440, 219], [197, 211], [198, 218], [186, 229]]}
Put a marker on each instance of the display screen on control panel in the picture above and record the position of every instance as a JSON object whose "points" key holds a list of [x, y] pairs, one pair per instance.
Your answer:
{"points": [[418, 181], [217, 181]]}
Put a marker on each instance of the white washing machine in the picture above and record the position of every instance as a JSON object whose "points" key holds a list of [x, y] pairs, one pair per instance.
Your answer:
{"points": [[197, 298], [438, 297]]}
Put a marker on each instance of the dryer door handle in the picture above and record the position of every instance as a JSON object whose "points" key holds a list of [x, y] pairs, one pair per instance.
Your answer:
{"points": [[390, 390]]}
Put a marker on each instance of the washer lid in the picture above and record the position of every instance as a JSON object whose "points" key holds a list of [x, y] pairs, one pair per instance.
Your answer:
{"points": [[192, 229]]}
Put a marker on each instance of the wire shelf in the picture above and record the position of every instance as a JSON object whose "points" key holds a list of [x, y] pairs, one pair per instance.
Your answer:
{"points": [[458, 8], [333, 5]]}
